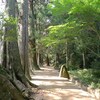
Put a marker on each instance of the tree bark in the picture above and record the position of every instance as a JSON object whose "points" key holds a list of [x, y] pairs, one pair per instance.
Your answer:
{"points": [[47, 60], [66, 54], [8, 91], [4, 63], [57, 61], [83, 56], [33, 28], [23, 39], [39, 59], [12, 60]]}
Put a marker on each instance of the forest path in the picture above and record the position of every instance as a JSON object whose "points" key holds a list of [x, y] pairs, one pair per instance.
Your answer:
{"points": [[52, 87]]}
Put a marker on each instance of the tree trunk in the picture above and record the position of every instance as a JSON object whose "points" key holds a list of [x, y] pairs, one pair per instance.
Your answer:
{"points": [[47, 60], [33, 40], [57, 61], [83, 56], [8, 91], [67, 55], [35, 55], [23, 39], [12, 58], [4, 55], [39, 59]]}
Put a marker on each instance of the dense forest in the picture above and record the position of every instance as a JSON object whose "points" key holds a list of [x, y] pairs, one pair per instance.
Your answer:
{"points": [[52, 32]]}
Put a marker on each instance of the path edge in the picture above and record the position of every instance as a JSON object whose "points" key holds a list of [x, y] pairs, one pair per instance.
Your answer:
{"points": [[94, 92]]}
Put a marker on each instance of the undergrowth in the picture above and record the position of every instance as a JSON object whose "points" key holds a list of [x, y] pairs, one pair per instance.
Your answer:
{"points": [[89, 77]]}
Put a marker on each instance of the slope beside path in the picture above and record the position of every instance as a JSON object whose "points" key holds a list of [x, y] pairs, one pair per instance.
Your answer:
{"points": [[52, 87]]}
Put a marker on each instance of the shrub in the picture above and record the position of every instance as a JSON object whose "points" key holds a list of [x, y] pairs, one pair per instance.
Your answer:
{"points": [[88, 77]]}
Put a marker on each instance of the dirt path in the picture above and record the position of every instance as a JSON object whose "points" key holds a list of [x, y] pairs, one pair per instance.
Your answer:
{"points": [[55, 88]]}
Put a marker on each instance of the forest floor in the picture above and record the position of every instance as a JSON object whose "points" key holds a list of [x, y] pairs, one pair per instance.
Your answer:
{"points": [[53, 87]]}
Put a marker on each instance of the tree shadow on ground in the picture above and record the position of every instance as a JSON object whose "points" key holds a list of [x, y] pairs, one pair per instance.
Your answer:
{"points": [[53, 87]]}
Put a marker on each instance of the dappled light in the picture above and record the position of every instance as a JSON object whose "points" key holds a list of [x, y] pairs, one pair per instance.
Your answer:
{"points": [[49, 49], [49, 74], [54, 87]]}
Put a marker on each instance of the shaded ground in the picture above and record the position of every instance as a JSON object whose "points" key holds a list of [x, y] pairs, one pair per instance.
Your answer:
{"points": [[52, 87]]}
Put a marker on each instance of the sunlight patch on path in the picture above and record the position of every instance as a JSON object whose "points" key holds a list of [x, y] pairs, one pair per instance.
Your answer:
{"points": [[53, 87]]}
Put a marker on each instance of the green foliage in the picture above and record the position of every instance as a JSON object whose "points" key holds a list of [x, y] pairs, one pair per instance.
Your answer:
{"points": [[95, 64], [11, 29], [81, 17], [78, 22], [88, 77], [61, 33], [59, 7], [71, 67]]}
